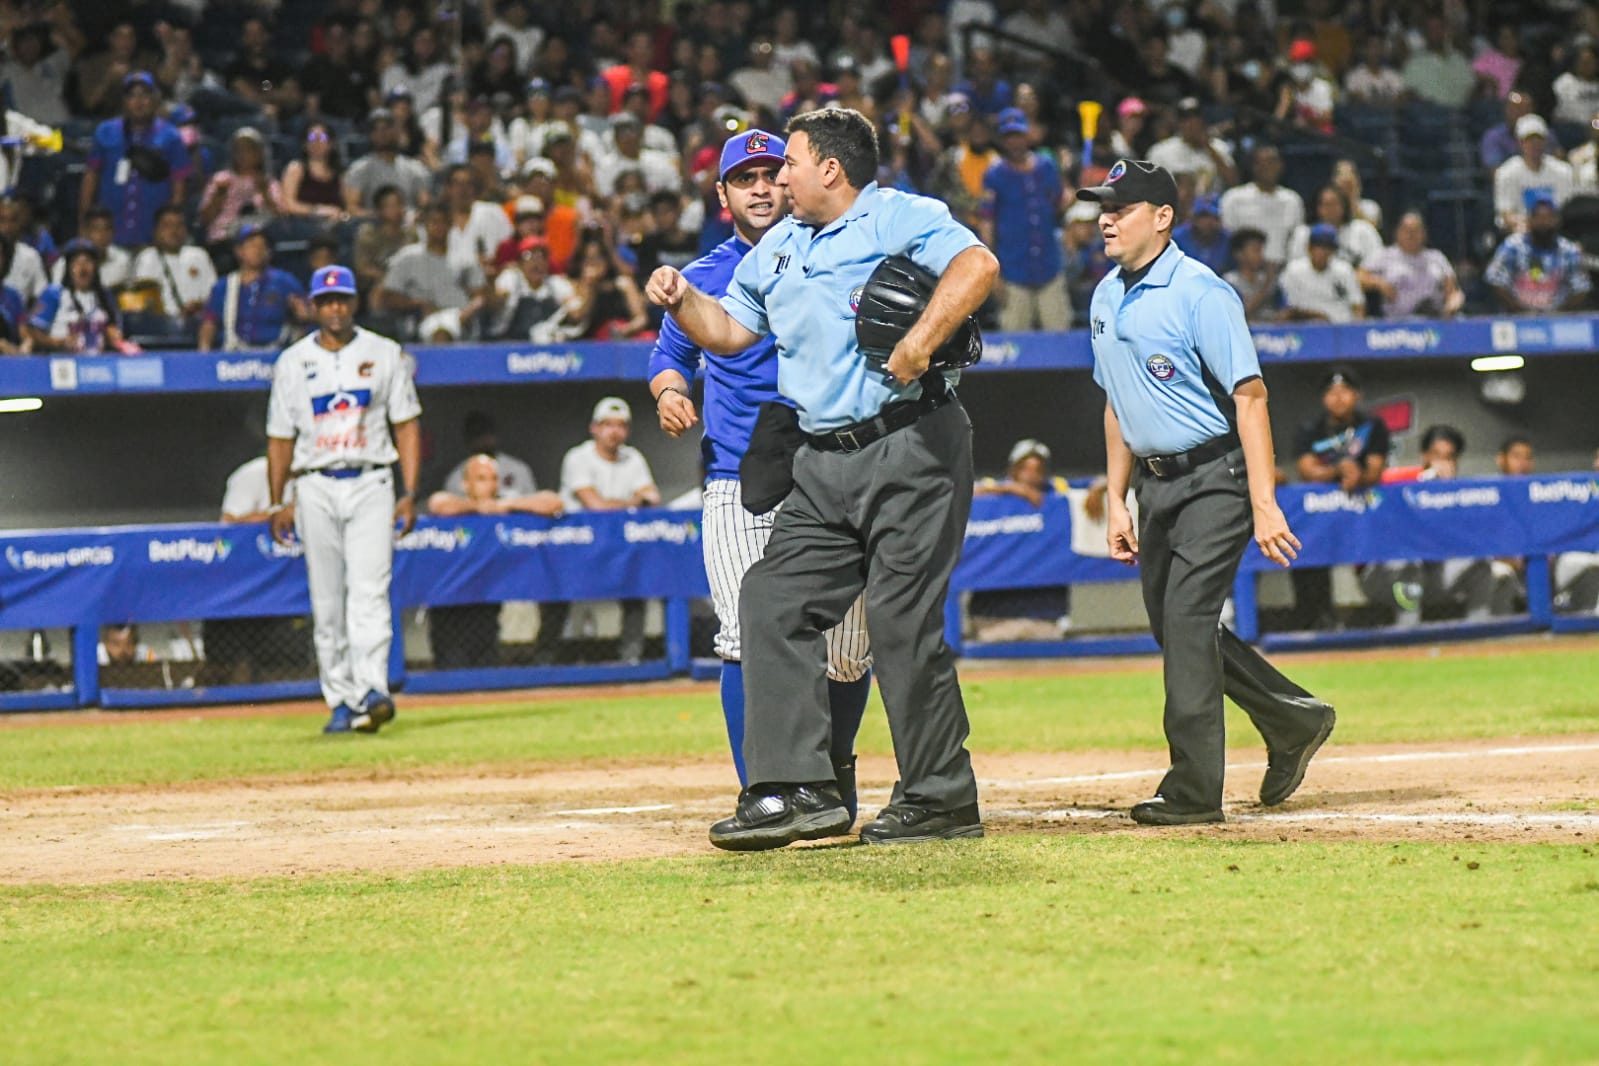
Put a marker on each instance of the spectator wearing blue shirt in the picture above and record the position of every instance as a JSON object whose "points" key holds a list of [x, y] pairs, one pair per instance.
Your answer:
{"points": [[13, 308], [1539, 270], [255, 306], [1204, 238], [1021, 205], [989, 93], [1086, 261], [137, 166]]}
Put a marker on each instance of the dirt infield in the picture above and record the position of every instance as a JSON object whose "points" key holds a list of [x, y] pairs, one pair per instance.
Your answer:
{"points": [[1498, 790]]}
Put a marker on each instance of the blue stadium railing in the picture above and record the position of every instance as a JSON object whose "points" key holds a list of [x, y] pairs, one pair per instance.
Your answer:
{"points": [[82, 579], [512, 363]]}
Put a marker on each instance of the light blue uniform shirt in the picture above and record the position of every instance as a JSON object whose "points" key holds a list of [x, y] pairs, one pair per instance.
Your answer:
{"points": [[1168, 351], [802, 285]]}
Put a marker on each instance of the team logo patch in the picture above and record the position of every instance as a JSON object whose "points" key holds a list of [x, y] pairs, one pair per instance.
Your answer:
{"points": [[336, 402], [365, 369], [755, 143], [855, 297], [1162, 368], [1117, 172]]}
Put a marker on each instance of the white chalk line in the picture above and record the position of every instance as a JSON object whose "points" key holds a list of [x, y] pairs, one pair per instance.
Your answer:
{"points": [[573, 819], [1332, 760]]}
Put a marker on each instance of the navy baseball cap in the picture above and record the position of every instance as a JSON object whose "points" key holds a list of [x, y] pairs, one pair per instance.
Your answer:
{"points": [[138, 78], [333, 281], [1011, 120], [752, 147], [1209, 204], [1133, 181], [1324, 233], [248, 230]]}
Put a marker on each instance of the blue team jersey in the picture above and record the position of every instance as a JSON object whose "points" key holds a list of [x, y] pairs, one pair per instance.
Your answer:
{"points": [[802, 285], [1023, 205], [133, 200], [1164, 350], [735, 385], [1218, 254], [263, 315]]}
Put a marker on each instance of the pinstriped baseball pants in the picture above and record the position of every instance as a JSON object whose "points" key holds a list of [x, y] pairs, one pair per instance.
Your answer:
{"points": [[733, 540]]}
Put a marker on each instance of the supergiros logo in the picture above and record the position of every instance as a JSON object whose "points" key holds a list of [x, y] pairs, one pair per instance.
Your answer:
{"points": [[190, 550], [432, 538], [522, 537], [24, 559]]}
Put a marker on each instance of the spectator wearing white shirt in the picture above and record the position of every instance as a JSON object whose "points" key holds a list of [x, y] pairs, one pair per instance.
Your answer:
{"points": [[115, 262], [1321, 287], [1307, 98], [1412, 278], [27, 274], [1357, 238], [1584, 161], [764, 81], [636, 102], [476, 226], [658, 169], [531, 299], [1375, 82], [511, 18], [1532, 174], [34, 71], [181, 272], [1264, 204], [606, 474], [1577, 90], [1346, 177], [1191, 150]]}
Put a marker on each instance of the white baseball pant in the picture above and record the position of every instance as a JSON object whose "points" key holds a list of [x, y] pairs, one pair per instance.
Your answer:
{"points": [[733, 540], [347, 528]]}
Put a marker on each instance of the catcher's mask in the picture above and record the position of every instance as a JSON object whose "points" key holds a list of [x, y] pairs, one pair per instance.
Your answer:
{"points": [[889, 304]]}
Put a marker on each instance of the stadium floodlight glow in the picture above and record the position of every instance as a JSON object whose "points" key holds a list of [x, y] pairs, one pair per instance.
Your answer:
{"points": [[1487, 364], [20, 404]]}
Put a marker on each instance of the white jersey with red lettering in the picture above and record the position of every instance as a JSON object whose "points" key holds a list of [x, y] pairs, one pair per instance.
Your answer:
{"points": [[337, 406]]}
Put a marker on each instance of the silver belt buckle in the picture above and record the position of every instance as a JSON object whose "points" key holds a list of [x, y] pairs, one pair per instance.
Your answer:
{"points": [[846, 440], [1157, 465]]}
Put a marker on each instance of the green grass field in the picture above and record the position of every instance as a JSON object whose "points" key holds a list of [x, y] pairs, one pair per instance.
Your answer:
{"points": [[1048, 947]]}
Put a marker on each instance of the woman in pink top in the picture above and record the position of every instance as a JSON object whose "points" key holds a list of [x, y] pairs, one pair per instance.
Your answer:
{"points": [[1499, 64], [243, 193]]}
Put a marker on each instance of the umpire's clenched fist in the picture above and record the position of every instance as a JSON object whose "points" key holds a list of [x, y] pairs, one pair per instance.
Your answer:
{"points": [[666, 288]]}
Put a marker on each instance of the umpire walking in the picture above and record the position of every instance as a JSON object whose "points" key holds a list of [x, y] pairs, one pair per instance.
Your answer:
{"points": [[882, 489], [1187, 407]]}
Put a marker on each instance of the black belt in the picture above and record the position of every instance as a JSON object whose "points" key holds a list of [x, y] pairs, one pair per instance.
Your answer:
{"points": [[857, 435], [1170, 466]]}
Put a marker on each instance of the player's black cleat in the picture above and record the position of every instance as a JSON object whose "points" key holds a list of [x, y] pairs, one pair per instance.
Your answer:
{"points": [[775, 815], [1286, 769], [903, 823], [1158, 812]]}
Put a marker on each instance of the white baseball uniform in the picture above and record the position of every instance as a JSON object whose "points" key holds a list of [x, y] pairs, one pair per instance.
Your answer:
{"points": [[337, 407]]}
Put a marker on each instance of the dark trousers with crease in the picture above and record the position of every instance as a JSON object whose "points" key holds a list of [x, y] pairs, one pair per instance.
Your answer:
{"points": [[889, 519], [1192, 533]]}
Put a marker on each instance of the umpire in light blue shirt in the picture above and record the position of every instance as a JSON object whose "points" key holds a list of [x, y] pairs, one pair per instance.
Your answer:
{"points": [[882, 489], [1186, 411]]}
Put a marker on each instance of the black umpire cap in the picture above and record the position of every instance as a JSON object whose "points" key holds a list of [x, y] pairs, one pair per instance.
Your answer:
{"points": [[1133, 181]]}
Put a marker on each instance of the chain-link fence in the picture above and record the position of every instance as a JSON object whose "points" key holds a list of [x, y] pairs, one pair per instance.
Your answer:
{"points": [[35, 660], [219, 651], [519, 633]]}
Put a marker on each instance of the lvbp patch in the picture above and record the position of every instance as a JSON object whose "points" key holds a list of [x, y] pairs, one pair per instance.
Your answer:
{"points": [[1162, 368]]}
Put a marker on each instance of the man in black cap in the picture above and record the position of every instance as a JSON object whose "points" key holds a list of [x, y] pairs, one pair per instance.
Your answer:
{"points": [[1342, 446], [1186, 408]]}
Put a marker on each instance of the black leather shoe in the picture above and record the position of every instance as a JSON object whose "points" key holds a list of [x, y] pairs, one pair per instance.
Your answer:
{"points": [[1286, 769], [845, 772], [775, 815], [905, 824], [1158, 812]]}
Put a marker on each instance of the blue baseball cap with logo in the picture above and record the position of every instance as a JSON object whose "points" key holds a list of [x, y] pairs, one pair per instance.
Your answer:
{"points": [[138, 79], [1012, 120], [755, 146], [333, 281], [1324, 234]]}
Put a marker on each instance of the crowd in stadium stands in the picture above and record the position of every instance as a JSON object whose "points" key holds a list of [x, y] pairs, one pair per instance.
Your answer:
{"points": [[500, 169]]}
